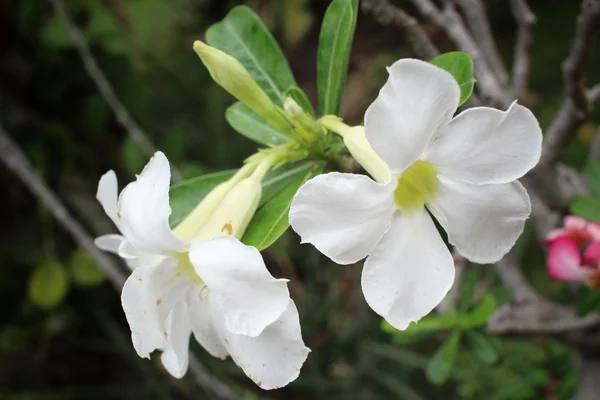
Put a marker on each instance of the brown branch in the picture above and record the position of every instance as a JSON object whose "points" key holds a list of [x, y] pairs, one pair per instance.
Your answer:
{"points": [[450, 21], [573, 67], [14, 159], [387, 14], [477, 20], [104, 87], [526, 21]]}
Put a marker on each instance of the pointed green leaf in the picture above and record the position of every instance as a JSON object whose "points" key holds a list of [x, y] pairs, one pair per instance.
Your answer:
{"points": [[460, 66], [301, 99], [480, 314], [468, 288], [242, 34], [48, 285], [592, 174], [440, 366], [427, 326], [251, 125], [271, 220], [586, 207], [483, 347], [335, 42]]}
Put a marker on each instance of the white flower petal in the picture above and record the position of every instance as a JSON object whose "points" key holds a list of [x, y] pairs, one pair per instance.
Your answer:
{"points": [[342, 215], [483, 145], [274, 358], [148, 296], [202, 323], [240, 283], [144, 209], [110, 243], [417, 101], [175, 356], [107, 193], [409, 272], [482, 221]]}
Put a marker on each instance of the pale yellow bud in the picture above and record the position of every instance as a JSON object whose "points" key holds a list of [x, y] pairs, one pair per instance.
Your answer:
{"points": [[234, 213], [231, 75], [358, 145]]}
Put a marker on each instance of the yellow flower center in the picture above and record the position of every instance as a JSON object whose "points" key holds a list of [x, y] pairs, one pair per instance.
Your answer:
{"points": [[185, 268], [417, 185]]}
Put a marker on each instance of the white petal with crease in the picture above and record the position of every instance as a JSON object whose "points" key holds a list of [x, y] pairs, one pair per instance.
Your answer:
{"points": [[483, 145], [409, 272], [342, 215], [202, 323], [274, 358], [148, 296], [240, 283], [482, 221], [175, 356], [144, 209], [417, 101]]}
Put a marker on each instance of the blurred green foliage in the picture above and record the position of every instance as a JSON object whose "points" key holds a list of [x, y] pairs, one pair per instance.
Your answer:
{"points": [[70, 341]]}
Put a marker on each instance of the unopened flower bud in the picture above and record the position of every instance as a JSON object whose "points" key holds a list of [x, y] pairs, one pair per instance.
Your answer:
{"points": [[231, 75], [234, 213]]}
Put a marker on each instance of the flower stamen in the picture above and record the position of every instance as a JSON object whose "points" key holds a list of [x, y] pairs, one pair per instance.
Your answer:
{"points": [[417, 185]]}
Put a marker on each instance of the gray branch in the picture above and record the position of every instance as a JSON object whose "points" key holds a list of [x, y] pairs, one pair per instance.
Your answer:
{"points": [[450, 21], [387, 14], [574, 65], [526, 21], [14, 159], [105, 88], [478, 22]]}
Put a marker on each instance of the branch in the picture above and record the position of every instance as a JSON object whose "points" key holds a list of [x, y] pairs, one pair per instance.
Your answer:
{"points": [[525, 21], [477, 20], [104, 87], [574, 65], [14, 159], [387, 14], [449, 20], [564, 127]]}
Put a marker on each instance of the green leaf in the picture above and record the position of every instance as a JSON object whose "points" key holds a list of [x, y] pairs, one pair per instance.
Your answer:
{"points": [[592, 174], [587, 207], [335, 42], [84, 270], [440, 366], [48, 285], [587, 300], [460, 66], [483, 347], [481, 313], [271, 220], [301, 99], [242, 34], [424, 328], [468, 288], [186, 195], [251, 125]]}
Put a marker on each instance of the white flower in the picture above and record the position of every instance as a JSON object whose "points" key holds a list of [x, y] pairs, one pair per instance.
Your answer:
{"points": [[462, 170], [218, 289]]}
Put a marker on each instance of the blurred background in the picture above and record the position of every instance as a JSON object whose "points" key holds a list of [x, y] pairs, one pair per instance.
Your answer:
{"points": [[63, 334]]}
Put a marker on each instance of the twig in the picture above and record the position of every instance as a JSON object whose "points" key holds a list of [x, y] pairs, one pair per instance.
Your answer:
{"points": [[526, 21], [449, 20], [477, 20], [564, 127], [105, 88], [12, 156], [573, 66], [386, 14]]}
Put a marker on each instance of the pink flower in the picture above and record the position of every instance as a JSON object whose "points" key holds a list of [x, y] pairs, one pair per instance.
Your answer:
{"points": [[578, 229], [565, 259]]}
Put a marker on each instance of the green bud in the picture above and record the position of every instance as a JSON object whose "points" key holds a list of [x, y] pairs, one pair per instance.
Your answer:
{"points": [[305, 125], [231, 75]]}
